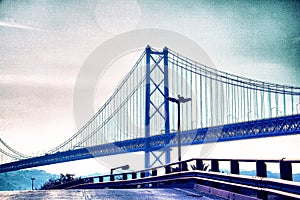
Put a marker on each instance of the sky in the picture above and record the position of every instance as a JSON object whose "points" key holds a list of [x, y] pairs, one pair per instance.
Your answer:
{"points": [[43, 45]]}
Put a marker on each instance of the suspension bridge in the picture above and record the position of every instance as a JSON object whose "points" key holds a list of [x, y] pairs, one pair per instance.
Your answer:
{"points": [[139, 117]]}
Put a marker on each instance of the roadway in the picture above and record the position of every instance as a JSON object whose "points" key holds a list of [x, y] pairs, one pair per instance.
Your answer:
{"points": [[110, 194]]}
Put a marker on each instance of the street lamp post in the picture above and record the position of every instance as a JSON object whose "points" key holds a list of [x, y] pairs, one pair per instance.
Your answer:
{"points": [[178, 101], [125, 167], [32, 179]]}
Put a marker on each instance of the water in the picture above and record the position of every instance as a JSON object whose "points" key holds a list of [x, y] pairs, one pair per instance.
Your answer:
{"points": [[107, 194]]}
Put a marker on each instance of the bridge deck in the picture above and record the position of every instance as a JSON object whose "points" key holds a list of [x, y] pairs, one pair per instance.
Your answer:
{"points": [[281, 126]]}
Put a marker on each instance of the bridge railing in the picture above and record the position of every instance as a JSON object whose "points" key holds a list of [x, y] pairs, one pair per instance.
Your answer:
{"points": [[285, 166], [198, 164]]}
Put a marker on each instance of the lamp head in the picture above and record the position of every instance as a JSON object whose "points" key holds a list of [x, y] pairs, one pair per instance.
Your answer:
{"points": [[125, 167], [172, 99]]}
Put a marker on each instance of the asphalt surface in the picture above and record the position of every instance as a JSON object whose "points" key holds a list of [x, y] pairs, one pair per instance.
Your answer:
{"points": [[109, 194]]}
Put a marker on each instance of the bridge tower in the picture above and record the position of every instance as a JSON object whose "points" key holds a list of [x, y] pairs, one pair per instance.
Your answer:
{"points": [[157, 105]]}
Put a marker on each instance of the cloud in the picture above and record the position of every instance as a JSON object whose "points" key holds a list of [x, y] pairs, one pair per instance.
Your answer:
{"points": [[16, 25]]}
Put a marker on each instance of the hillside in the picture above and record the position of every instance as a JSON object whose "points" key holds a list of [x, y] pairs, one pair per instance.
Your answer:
{"points": [[21, 180]]}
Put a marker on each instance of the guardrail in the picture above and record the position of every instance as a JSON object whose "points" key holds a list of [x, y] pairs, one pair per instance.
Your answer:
{"points": [[193, 171]]}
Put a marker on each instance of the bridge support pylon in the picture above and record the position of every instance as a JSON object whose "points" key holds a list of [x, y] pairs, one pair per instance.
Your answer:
{"points": [[157, 105]]}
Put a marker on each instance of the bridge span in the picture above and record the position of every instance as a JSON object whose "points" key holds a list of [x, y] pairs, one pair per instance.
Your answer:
{"points": [[139, 117], [282, 126]]}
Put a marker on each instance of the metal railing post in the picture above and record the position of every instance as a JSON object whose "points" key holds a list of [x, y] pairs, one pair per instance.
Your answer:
{"points": [[234, 167], [286, 170], [215, 166], [261, 169], [199, 164]]}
